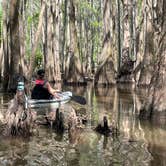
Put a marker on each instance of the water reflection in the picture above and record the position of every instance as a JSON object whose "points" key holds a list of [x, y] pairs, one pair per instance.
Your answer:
{"points": [[139, 143]]}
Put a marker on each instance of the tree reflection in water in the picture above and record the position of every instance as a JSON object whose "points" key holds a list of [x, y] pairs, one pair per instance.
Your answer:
{"points": [[139, 143]]}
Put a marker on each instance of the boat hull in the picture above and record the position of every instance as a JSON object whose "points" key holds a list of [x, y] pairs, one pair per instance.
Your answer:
{"points": [[64, 98]]}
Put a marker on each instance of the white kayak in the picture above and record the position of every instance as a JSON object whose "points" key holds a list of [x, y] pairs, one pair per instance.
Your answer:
{"points": [[64, 98]]}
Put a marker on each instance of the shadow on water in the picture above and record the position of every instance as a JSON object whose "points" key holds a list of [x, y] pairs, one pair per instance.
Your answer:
{"points": [[139, 143]]}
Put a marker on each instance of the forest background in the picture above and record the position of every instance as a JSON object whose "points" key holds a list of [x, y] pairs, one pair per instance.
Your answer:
{"points": [[76, 41]]}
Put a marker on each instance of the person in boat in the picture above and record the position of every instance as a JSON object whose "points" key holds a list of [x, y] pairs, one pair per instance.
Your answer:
{"points": [[42, 88]]}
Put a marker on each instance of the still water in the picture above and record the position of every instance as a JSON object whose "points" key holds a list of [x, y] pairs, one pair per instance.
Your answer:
{"points": [[137, 144]]}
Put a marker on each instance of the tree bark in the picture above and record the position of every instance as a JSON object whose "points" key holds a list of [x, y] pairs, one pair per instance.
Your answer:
{"points": [[105, 73], [22, 35], [75, 72], [64, 35], [14, 43], [52, 58], [4, 53], [156, 97]]}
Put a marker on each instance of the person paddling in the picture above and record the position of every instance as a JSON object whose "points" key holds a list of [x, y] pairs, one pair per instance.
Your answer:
{"points": [[43, 89]]}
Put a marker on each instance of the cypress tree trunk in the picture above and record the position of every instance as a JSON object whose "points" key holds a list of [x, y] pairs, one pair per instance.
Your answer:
{"points": [[105, 73], [45, 37], [156, 96], [14, 43], [64, 35], [142, 78], [56, 43], [22, 35], [73, 73], [4, 54], [53, 50], [119, 34]]}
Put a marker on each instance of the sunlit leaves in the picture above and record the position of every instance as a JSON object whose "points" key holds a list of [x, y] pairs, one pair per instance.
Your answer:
{"points": [[33, 18], [96, 24]]}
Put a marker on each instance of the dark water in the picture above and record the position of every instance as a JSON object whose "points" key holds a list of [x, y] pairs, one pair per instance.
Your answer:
{"points": [[138, 144]]}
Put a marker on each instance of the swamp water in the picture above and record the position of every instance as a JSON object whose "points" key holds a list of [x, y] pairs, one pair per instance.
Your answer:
{"points": [[137, 144]]}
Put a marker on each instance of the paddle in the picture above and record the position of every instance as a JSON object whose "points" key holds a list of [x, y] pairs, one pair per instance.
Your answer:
{"points": [[79, 99]]}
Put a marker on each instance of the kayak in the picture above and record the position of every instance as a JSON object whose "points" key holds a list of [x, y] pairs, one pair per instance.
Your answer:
{"points": [[64, 97]]}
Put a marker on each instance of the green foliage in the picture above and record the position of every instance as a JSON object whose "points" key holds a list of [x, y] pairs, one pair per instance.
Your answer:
{"points": [[139, 9], [96, 24], [97, 39], [87, 10], [88, 7], [38, 57], [33, 19], [90, 14]]}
